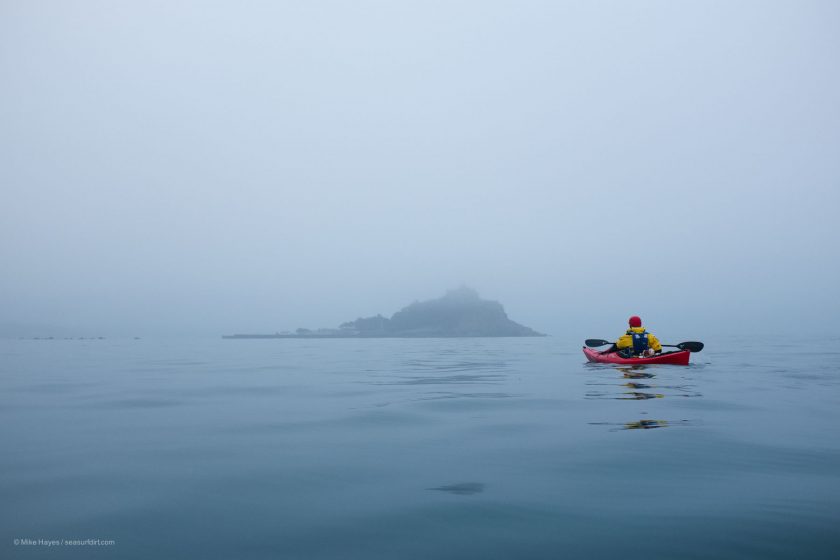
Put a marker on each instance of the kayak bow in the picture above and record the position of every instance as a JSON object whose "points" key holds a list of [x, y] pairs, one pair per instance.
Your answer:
{"points": [[679, 358]]}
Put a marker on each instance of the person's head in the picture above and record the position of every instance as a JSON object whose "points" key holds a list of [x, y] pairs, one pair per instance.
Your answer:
{"points": [[635, 321]]}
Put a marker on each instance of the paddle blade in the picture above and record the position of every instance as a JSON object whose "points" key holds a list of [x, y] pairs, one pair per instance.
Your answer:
{"points": [[690, 346], [595, 342]]}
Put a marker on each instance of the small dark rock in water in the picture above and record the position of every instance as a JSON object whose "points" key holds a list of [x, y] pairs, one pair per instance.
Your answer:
{"points": [[462, 488]]}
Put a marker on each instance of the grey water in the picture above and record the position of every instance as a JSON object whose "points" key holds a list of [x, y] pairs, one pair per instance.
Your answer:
{"points": [[416, 448]]}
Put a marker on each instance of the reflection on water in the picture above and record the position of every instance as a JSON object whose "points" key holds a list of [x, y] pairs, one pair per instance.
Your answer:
{"points": [[637, 385], [625, 396], [617, 376], [639, 396], [630, 373], [644, 424]]}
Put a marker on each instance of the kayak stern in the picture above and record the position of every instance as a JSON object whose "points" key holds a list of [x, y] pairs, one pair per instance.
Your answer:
{"points": [[678, 358]]}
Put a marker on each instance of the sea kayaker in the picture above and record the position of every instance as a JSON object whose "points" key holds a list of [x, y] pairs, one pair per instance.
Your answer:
{"points": [[637, 341]]}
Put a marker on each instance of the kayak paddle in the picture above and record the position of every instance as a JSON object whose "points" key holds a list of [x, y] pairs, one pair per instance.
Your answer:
{"points": [[690, 346]]}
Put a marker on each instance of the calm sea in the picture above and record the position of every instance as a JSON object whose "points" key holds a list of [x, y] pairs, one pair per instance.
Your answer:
{"points": [[435, 448]]}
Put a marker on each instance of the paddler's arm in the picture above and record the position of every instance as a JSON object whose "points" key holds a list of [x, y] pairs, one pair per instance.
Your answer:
{"points": [[654, 343], [624, 341]]}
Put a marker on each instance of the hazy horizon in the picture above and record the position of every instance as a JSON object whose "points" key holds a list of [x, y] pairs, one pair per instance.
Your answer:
{"points": [[211, 168]]}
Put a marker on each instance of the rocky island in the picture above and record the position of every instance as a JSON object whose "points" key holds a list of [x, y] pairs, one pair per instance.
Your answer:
{"points": [[459, 313]]}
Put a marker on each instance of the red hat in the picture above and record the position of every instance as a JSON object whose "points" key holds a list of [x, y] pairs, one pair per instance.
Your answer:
{"points": [[635, 321]]}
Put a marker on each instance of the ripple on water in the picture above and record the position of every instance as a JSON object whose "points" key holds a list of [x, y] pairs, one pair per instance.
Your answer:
{"points": [[134, 403], [461, 488], [461, 379], [437, 395]]}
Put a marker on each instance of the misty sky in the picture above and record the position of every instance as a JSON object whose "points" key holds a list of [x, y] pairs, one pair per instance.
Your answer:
{"points": [[217, 167]]}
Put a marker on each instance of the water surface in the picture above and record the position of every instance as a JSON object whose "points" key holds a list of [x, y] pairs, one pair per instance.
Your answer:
{"points": [[417, 448]]}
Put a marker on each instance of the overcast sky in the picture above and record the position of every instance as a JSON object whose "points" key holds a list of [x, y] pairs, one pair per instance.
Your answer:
{"points": [[217, 167]]}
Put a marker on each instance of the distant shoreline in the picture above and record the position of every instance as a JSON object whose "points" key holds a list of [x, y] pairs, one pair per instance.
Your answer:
{"points": [[460, 313], [264, 336]]}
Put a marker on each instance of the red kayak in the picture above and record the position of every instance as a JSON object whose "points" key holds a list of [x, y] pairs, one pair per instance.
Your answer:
{"points": [[678, 358]]}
